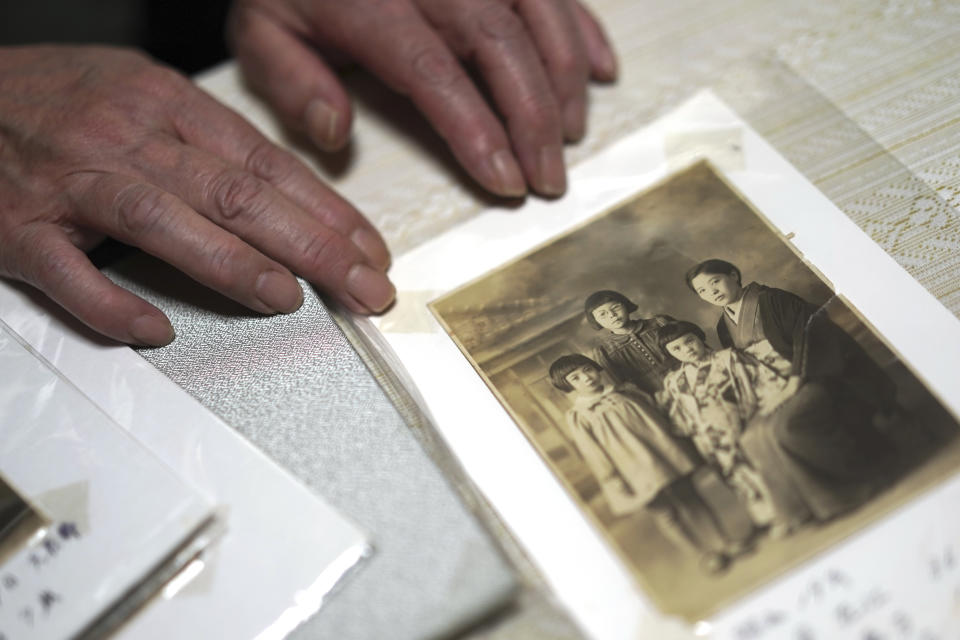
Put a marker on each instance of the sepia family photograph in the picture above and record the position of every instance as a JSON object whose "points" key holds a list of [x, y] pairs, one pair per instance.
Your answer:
{"points": [[715, 409]]}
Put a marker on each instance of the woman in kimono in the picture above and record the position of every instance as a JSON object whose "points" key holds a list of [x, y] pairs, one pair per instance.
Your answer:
{"points": [[711, 397], [627, 445], [829, 426], [781, 327], [628, 350]]}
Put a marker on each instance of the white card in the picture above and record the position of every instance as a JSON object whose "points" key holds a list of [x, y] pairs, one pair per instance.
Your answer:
{"points": [[102, 513], [284, 548], [510, 287]]}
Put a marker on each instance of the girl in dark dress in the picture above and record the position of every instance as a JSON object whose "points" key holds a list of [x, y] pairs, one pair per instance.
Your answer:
{"points": [[629, 348]]}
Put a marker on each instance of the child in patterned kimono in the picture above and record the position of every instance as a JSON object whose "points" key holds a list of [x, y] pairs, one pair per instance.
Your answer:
{"points": [[627, 445], [711, 398]]}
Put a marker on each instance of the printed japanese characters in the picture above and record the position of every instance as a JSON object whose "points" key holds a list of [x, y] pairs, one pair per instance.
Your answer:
{"points": [[716, 410]]}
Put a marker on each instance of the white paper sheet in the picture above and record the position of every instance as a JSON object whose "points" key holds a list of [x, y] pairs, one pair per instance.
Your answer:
{"points": [[284, 548], [600, 593], [109, 515]]}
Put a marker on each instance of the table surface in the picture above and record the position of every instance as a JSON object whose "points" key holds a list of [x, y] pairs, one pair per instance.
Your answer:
{"points": [[889, 155]]}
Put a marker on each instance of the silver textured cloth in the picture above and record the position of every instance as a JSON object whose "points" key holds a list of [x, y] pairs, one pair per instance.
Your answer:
{"points": [[295, 388]]}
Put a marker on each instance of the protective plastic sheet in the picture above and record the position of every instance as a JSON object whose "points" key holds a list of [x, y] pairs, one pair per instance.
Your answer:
{"points": [[482, 313], [295, 388], [283, 549], [93, 523]]}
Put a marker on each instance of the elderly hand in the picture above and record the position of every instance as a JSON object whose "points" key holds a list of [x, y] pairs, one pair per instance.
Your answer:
{"points": [[533, 56], [100, 142]]}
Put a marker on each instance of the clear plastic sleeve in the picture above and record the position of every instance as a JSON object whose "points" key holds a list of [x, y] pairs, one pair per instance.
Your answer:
{"points": [[153, 518], [93, 523], [482, 313]]}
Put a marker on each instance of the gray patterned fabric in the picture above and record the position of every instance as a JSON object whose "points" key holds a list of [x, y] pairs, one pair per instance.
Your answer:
{"points": [[295, 388]]}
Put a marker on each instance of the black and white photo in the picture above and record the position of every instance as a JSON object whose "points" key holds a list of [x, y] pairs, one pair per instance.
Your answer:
{"points": [[713, 406]]}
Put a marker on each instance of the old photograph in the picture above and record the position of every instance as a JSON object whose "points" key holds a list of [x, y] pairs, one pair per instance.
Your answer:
{"points": [[718, 412]]}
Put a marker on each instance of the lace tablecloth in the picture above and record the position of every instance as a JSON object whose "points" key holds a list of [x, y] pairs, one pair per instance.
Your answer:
{"points": [[892, 68]]}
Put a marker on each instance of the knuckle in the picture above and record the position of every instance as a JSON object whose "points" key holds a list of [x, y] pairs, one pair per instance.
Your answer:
{"points": [[269, 162], [569, 65], [161, 82], [224, 264], [498, 22], [436, 67], [321, 253], [540, 109], [238, 193], [42, 265], [52, 267], [150, 151], [139, 209]]}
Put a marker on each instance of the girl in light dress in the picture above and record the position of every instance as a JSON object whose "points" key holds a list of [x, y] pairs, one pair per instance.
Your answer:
{"points": [[628, 445]]}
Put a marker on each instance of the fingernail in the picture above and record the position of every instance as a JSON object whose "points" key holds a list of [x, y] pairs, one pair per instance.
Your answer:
{"points": [[278, 292], [507, 175], [574, 119], [372, 246], [370, 287], [321, 121], [152, 330], [607, 65], [552, 173]]}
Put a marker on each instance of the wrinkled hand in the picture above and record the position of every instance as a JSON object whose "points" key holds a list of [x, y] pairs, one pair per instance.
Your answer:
{"points": [[100, 142], [534, 57]]}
